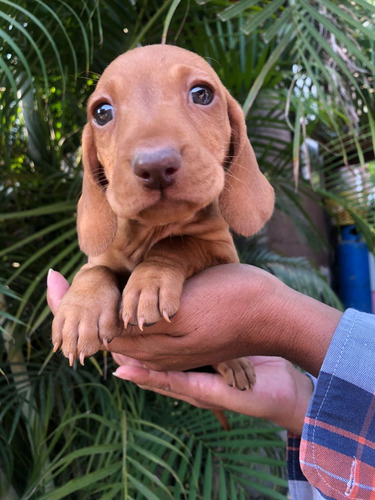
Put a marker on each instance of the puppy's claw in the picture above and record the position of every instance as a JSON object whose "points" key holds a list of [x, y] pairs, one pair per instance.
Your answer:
{"points": [[141, 322], [71, 359], [56, 345], [126, 320], [105, 342], [82, 359], [165, 316]]}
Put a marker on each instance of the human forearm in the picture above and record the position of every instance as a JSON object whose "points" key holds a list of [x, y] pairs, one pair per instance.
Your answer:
{"points": [[312, 325], [293, 325], [232, 311], [227, 312]]}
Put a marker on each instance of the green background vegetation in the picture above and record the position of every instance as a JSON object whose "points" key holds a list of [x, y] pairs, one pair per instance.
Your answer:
{"points": [[298, 67]]}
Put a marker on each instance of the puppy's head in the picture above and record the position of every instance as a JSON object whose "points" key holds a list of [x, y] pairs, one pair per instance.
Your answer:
{"points": [[164, 139]]}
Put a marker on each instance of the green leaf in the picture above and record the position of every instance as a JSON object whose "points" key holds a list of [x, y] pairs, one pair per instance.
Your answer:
{"points": [[39, 211], [271, 61], [41, 26], [297, 142], [222, 482], [83, 482], [142, 488], [331, 28], [168, 18], [208, 475], [236, 9], [263, 15]]}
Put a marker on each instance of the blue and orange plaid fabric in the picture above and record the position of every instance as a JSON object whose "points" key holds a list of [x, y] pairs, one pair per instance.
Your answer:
{"points": [[335, 459]]}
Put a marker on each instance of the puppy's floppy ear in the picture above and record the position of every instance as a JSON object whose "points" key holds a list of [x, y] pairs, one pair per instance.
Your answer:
{"points": [[247, 199], [96, 222]]}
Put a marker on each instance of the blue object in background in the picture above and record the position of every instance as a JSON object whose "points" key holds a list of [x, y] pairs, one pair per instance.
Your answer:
{"points": [[353, 270]]}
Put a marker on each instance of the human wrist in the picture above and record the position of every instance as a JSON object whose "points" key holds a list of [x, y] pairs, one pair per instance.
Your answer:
{"points": [[285, 323], [312, 325], [303, 393]]}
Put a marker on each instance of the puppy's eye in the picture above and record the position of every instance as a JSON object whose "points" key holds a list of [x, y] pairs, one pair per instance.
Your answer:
{"points": [[103, 114], [201, 94]]}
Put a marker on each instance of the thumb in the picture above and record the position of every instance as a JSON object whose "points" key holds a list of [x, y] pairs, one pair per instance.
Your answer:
{"points": [[57, 286]]}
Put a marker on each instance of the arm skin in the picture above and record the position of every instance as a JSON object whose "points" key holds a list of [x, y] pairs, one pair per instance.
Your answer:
{"points": [[226, 312]]}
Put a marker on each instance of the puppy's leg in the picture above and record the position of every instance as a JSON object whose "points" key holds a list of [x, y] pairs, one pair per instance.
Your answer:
{"points": [[87, 317], [154, 288], [152, 292], [238, 373]]}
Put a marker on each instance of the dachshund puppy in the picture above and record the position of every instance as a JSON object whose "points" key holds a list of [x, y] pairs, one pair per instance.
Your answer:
{"points": [[168, 169]]}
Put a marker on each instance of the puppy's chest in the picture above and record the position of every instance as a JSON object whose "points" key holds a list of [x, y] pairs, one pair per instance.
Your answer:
{"points": [[132, 245]]}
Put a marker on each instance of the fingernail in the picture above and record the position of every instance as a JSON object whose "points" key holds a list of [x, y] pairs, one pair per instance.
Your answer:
{"points": [[121, 377], [121, 373], [50, 271]]}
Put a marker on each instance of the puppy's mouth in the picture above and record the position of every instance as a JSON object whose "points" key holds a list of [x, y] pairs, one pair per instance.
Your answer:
{"points": [[165, 196], [167, 211], [156, 207]]}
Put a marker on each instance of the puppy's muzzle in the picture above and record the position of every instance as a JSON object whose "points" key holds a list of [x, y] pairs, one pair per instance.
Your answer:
{"points": [[156, 168]]}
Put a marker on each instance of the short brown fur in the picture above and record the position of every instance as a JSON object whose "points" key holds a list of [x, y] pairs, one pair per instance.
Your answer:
{"points": [[158, 237]]}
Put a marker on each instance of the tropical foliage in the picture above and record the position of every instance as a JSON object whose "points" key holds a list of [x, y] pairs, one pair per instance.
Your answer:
{"points": [[302, 70]]}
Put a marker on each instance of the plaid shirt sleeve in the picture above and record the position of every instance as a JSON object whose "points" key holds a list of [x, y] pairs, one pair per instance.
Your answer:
{"points": [[336, 453]]}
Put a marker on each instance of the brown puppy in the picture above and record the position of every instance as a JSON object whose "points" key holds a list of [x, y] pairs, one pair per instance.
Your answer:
{"points": [[168, 168]]}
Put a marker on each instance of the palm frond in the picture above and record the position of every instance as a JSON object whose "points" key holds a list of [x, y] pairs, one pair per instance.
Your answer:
{"points": [[34, 41], [302, 70], [168, 454], [296, 272], [327, 49]]}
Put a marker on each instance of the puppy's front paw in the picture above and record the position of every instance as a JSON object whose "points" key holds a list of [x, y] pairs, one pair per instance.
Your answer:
{"points": [[85, 322], [238, 373], [150, 294]]}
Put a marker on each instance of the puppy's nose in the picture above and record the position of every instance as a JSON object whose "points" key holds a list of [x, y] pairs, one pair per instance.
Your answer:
{"points": [[156, 168]]}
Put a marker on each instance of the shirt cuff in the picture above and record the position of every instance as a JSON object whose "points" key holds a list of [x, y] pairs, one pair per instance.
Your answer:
{"points": [[337, 452]]}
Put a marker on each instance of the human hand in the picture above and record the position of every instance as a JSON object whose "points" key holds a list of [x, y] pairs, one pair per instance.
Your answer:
{"points": [[281, 393], [227, 312], [57, 286], [188, 341]]}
